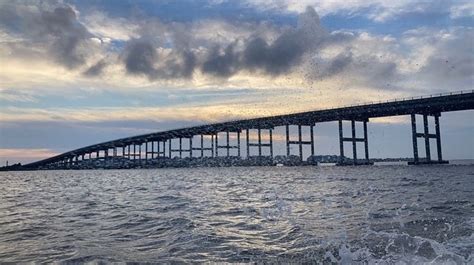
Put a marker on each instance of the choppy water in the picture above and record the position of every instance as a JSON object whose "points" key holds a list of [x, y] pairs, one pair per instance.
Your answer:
{"points": [[378, 214]]}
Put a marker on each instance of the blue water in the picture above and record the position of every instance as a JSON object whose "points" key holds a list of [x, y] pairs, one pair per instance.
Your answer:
{"points": [[377, 214]]}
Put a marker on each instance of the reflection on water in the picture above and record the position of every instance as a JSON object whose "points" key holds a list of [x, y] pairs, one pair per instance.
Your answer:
{"points": [[277, 214]]}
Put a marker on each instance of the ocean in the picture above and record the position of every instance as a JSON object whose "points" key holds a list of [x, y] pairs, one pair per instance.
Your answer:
{"points": [[347, 215]]}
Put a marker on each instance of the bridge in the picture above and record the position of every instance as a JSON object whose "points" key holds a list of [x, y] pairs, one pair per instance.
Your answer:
{"points": [[210, 144]]}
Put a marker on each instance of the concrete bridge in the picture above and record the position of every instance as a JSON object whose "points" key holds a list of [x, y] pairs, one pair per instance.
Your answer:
{"points": [[211, 145]]}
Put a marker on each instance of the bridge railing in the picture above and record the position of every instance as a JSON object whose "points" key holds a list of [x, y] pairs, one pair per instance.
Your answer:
{"points": [[409, 98]]}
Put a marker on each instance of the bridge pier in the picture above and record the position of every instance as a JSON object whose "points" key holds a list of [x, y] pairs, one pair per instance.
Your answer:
{"points": [[201, 148], [300, 141], [106, 156], [146, 152], [426, 135], [259, 144], [227, 145], [353, 139], [114, 155], [180, 149], [158, 153], [162, 153], [169, 148]]}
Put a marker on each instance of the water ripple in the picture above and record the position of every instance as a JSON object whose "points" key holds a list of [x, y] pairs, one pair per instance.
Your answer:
{"points": [[271, 215]]}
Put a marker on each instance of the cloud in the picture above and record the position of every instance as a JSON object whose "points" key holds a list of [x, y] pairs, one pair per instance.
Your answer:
{"points": [[150, 53], [255, 54], [222, 62], [375, 10], [462, 10], [119, 29], [66, 40], [337, 64], [170, 51], [96, 69], [142, 57], [12, 95], [450, 65]]}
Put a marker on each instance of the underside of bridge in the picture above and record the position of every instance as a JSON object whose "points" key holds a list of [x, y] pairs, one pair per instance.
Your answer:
{"points": [[221, 144]]}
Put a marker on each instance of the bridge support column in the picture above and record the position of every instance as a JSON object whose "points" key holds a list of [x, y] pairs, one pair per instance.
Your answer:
{"points": [[140, 153], [190, 147], [353, 139], [153, 153], [287, 140], [426, 135], [227, 142], [366, 142], [134, 153], [217, 144], [106, 157], [169, 148], [427, 138], [259, 144], [212, 145], [248, 142], [300, 142], [228, 145], [162, 151], [341, 143], [180, 150], [146, 152], [438, 137], [270, 132], [202, 147]]}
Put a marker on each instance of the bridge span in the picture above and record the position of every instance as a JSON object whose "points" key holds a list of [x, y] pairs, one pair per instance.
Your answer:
{"points": [[206, 143]]}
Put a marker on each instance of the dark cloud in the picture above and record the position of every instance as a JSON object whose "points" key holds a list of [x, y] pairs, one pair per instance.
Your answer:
{"points": [[274, 58], [255, 54], [172, 51], [181, 64], [96, 69], [69, 35], [222, 63], [141, 58], [65, 38], [338, 64], [167, 51]]}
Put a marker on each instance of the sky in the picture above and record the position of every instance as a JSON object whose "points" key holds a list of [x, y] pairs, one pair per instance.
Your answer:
{"points": [[75, 73]]}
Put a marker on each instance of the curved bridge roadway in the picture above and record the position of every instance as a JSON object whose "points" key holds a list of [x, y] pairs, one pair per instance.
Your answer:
{"points": [[158, 145]]}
